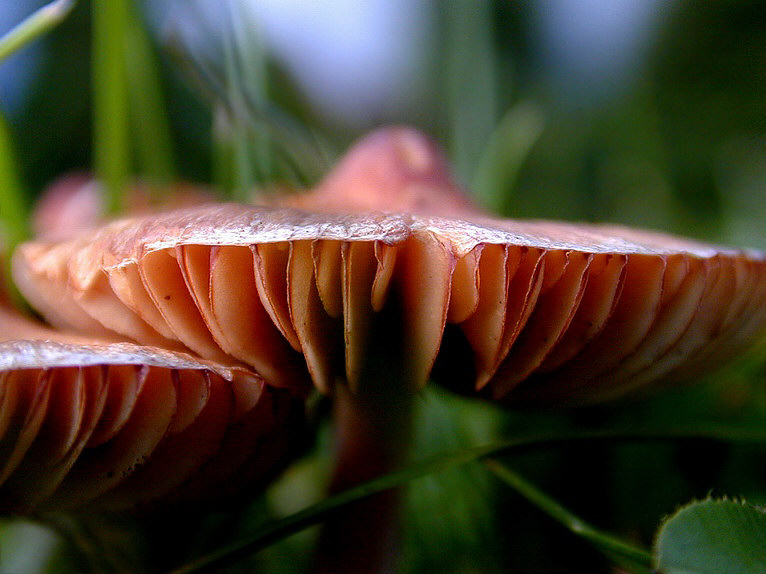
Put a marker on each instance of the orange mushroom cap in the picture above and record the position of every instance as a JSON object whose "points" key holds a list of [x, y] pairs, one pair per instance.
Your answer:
{"points": [[75, 204], [105, 425], [515, 310]]}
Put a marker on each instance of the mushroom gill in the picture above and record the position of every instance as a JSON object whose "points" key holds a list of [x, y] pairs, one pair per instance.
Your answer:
{"points": [[519, 311], [89, 424]]}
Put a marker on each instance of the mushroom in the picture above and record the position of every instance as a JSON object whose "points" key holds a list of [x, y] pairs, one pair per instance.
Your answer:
{"points": [[98, 424], [74, 204], [385, 275], [531, 310]]}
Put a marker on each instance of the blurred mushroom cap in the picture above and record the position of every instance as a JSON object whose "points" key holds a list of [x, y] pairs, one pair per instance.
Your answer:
{"points": [[387, 257], [75, 203]]}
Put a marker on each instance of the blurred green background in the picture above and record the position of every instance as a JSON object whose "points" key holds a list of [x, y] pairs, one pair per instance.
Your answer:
{"points": [[642, 112]]}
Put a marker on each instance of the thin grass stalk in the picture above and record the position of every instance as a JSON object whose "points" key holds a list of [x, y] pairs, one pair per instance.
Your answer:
{"points": [[223, 151], [300, 156], [504, 155], [111, 143], [604, 541], [252, 70], [153, 139], [237, 132], [471, 81], [13, 209], [39, 23], [272, 533], [297, 155]]}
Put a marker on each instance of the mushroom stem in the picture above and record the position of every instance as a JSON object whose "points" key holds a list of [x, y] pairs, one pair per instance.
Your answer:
{"points": [[373, 432]]}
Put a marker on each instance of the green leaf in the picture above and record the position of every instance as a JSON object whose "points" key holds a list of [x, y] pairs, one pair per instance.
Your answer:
{"points": [[713, 536], [26, 546]]}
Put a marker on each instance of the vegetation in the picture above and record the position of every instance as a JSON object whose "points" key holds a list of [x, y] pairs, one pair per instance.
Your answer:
{"points": [[679, 146]]}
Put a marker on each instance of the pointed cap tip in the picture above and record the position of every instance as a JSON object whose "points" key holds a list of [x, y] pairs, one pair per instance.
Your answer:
{"points": [[393, 169]]}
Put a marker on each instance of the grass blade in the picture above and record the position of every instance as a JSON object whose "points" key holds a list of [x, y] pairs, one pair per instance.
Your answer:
{"points": [[39, 23], [246, 124], [153, 139], [471, 80], [13, 212], [608, 543], [271, 533], [505, 154], [110, 99], [13, 208]]}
